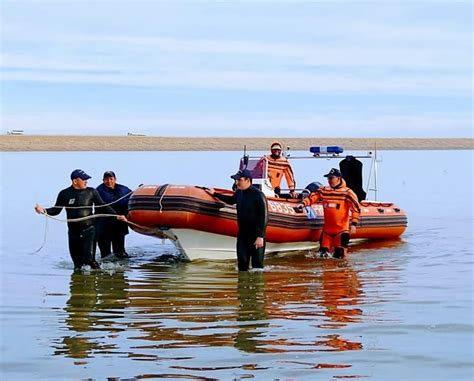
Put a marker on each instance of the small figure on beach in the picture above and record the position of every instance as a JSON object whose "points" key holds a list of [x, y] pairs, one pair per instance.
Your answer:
{"points": [[79, 200], [111, 232], [252, 219], [339, 202], [279, 166]]}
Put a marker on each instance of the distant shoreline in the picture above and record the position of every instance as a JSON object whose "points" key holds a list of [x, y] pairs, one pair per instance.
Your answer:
{"points": [[19, 143]]}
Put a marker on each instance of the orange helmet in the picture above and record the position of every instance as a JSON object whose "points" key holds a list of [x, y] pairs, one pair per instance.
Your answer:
{"points": [[276, 145]]}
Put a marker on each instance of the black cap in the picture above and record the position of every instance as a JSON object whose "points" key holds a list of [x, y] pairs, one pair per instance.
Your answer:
{"points": [[333, 172], [242, 173], [79, 174], [109, 174]]}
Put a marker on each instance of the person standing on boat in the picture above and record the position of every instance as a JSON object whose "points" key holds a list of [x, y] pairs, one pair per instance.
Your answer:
{"points": [[252, 219], [111, 232], [79, 200], [341, 207], [279, 166]]}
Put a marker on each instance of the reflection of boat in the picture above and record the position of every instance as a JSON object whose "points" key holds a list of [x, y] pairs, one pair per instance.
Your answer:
{"points": [[204, 227]]}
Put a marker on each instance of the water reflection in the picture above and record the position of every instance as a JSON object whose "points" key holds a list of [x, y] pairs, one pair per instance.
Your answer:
{"points": [[341, 294], [185, 305], [252, 311], [96, 304]]}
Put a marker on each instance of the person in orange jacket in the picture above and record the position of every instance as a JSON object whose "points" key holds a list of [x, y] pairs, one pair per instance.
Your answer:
{"points": [[279, 166], [341, 206]]}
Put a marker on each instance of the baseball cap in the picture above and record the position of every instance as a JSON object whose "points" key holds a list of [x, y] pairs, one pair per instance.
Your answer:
{"points": [[333, 172], [79, 174], [242, 173]]}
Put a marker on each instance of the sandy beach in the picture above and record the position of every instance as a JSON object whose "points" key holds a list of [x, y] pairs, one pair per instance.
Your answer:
{"points": [[18, 143]]}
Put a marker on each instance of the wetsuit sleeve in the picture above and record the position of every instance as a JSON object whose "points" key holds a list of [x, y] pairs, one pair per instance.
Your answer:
{"points": [[58, 206], [354, 207], [231, 200], [262, 214], [312, 198], [98, 204]]}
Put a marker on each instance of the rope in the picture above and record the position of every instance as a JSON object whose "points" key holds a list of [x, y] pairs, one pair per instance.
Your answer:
{"points": [[78, 220], [44, 237], [95, 206], [161, 198], [91, 217], [103, 215]]}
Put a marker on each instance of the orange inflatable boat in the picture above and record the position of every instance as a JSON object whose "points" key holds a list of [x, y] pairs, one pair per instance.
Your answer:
{"points": [[203, 227]]}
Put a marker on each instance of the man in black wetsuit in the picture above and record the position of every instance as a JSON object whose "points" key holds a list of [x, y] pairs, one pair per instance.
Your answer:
{"points": [[78, 200], [252, 219]]}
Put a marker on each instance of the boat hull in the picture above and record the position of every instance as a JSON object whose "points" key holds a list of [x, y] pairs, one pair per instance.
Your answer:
{"points": [[203, 227]]}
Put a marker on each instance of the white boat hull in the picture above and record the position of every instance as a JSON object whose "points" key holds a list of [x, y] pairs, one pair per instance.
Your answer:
{"points": [[196, 244]]}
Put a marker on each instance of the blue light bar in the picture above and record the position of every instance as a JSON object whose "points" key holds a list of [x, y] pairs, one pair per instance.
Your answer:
{"points": [[328, 149]]}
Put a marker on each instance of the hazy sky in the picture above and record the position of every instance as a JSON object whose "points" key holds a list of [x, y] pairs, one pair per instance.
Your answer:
{"points": [[238, 68]]}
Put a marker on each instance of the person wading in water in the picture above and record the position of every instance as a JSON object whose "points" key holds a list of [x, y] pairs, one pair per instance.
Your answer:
{"points": [[78, 200], [252, 220]]}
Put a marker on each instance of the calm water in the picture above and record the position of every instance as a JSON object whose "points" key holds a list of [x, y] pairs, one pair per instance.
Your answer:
{"points": [[392, 311]]}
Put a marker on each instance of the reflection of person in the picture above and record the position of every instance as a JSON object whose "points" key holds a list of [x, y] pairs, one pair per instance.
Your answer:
{"points": [[251, 293], [89, 296], [112, 232], [252, 219], [279, 166], [78, 200], [341, 296], [338, 201]]}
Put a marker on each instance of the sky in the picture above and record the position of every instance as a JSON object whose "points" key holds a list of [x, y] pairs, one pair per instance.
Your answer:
{"points": [[238, 68]]}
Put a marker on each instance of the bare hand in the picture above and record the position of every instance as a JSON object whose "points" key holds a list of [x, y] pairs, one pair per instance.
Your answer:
{"points": [[293, 194], [353, 229], [122, 218], [39, 209], [258, 242]]}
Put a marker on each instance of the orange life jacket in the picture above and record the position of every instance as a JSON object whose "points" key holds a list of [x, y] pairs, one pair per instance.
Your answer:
{"points": [[337, 202], [277, 168]]}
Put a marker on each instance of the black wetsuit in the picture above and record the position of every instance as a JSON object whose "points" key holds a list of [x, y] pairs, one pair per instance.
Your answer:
{"points": [[81, 234], [252, 219]]}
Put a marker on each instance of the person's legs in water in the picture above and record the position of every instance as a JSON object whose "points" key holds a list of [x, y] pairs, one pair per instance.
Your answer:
{"points": [[257, 255], [104, 246], [103, 232], [88, 247], [74, 241], [325, 245], [341, 244], [118, 246], [243, 256]]}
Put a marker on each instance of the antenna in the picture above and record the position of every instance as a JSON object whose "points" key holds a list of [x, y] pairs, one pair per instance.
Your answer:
{"points": [[373, 168], [245, 158]]}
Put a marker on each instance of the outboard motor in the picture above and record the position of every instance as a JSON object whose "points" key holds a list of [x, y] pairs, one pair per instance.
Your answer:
{"points": [[351, 170]]}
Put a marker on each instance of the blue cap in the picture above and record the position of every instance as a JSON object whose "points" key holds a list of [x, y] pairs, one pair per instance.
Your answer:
{"points": [[242, 173], [333, 172], [79, 174]]}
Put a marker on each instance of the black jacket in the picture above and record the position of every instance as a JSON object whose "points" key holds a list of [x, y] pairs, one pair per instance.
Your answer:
{"points": [[252, 211]]}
